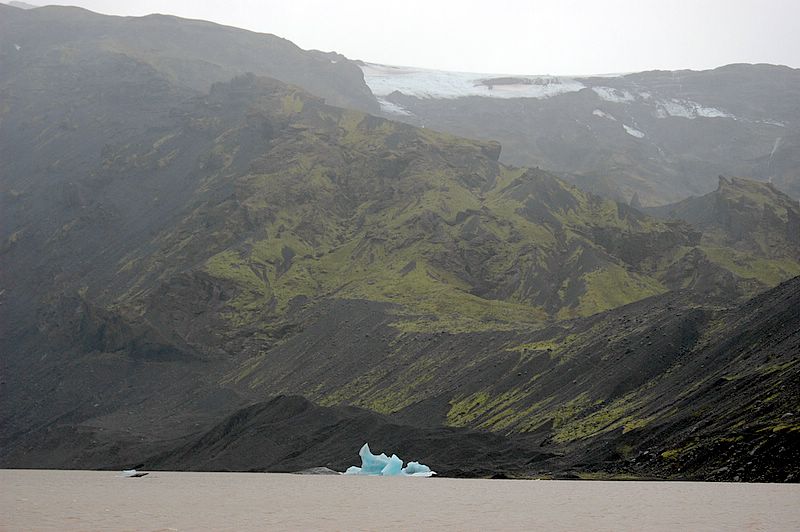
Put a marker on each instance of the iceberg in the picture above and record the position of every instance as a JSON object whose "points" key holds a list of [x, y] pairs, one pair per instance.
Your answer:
{"points": [[382, 465]]}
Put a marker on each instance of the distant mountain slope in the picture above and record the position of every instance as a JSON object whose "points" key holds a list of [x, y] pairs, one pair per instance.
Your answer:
{"points": [[191, 53], [743, 214], [661, 135]]}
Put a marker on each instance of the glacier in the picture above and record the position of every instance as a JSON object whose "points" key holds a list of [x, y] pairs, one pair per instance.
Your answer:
{"points": [[383, 80], [382, 465]]}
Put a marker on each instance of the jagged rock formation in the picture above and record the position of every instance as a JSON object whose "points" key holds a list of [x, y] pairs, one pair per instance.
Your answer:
{"points": [[743, 214]]}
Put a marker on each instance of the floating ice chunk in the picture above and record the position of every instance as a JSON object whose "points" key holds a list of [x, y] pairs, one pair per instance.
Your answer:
{"points": [[382, 465], [415, 469], [372, 464], [393, 468]]}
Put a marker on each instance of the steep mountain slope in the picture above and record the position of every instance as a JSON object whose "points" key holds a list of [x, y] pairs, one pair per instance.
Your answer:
{"points": [[657, 388], [645, 389], [266, 190], [192, 54], [750, 229], [660, 135], [170, 257], [743, 214], [288, 433]]}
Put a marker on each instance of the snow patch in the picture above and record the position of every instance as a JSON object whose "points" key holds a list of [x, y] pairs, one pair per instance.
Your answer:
{"points": [[422, 83], [633, 132], [711, 112], [601, 114], [393, 108], [775, 146], [614, 95], [688, 109]]}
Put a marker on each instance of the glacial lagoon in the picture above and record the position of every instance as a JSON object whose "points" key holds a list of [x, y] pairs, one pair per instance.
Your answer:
{"points": [[105, 500]]}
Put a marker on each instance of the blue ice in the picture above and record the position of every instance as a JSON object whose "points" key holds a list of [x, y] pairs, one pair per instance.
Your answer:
{"points": [[386, 466]]}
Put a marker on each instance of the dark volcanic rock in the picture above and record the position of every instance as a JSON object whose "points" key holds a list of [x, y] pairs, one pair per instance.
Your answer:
{"points": [[290, 433]]}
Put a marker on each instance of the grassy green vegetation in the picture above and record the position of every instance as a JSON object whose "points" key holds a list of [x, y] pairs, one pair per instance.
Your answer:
{"points": [[348, 205], [504, 411], [612, 287], [746, 265], [332, 203], [617, 414]]}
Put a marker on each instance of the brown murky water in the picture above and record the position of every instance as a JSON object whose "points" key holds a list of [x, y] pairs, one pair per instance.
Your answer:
{"points": [[96, 500]]}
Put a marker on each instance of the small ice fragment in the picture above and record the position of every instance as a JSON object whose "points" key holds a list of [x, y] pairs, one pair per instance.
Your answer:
{"points": [[415, 469], [132, 473]]}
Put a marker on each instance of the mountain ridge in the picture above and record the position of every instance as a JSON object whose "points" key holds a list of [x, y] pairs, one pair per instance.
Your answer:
{"points": [[658, 134]]}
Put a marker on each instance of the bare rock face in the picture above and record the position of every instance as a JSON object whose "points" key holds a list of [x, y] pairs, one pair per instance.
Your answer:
{"points": [[695, 272]]}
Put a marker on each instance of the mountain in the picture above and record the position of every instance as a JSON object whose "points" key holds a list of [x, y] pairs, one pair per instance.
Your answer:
{"points": [[751, 230], [661, 135], [178, 266], [655, 389], [742, 214], [192, 54]]}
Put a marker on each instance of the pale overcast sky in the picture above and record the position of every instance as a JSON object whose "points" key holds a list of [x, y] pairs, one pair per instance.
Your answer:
{"points": [[509, 36]]}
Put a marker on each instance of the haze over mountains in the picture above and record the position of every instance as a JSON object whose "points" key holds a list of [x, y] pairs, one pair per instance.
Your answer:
{"points": [[659, 135], [197, 219]]}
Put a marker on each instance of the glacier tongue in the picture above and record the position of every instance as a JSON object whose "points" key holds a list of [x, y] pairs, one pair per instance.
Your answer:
{"points": [[383, 80], [382, 465]]}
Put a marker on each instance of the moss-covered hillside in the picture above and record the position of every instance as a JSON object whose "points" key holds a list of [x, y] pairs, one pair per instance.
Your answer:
{"points": [[291, 201], [169, 257]]}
